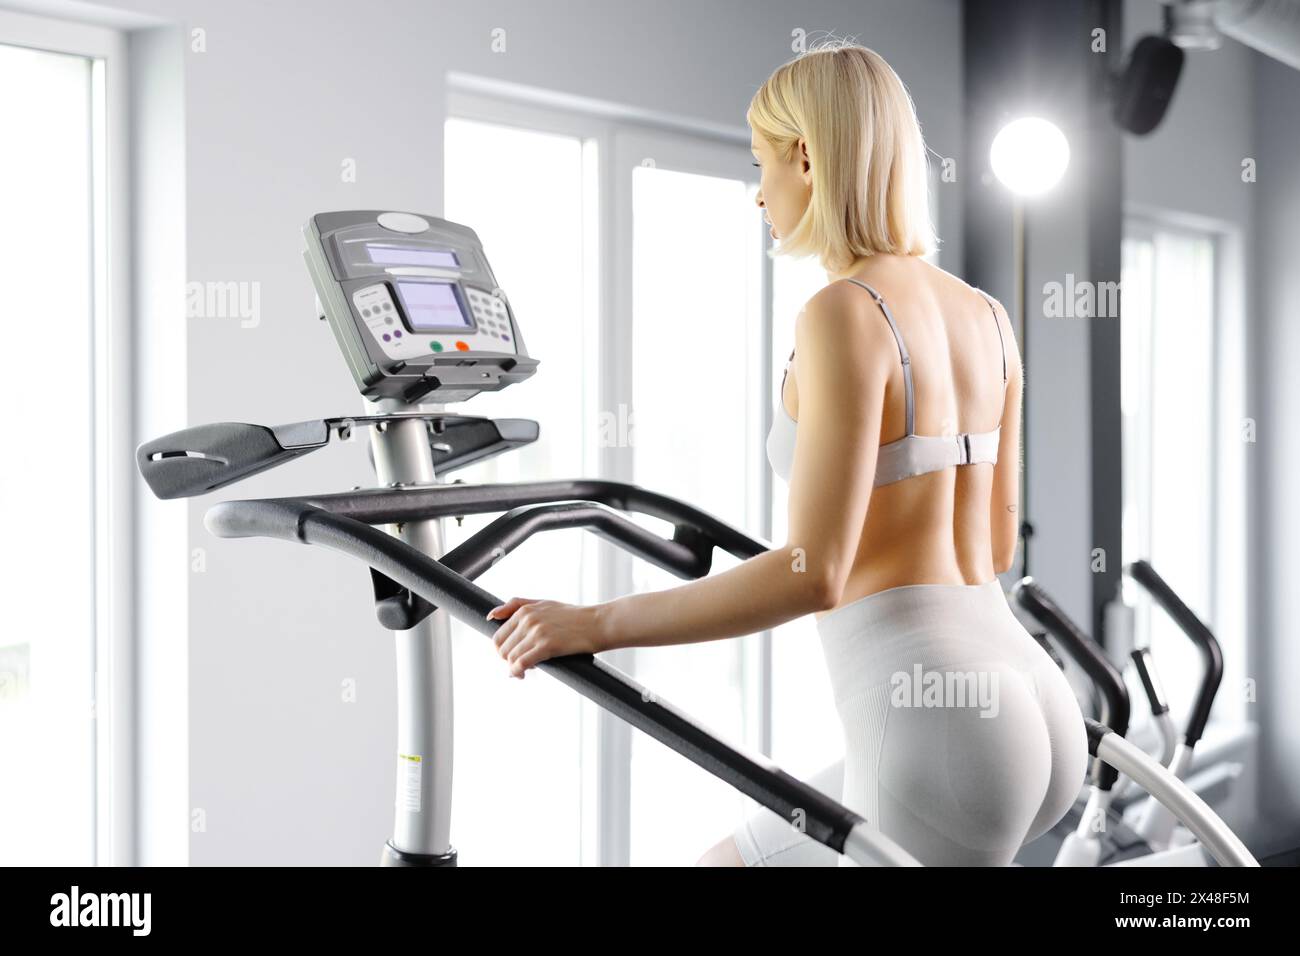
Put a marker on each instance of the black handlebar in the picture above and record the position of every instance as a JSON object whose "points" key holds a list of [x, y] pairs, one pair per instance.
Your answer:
{"points": [[1200, 635], [422, 502], [1155, 691], [689, 554], [688, 559], [299, 521], [409, 584], [1114, 694]]}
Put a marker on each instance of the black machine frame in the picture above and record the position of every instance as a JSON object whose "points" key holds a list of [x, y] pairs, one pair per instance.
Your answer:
{"points": [[409, 585]]}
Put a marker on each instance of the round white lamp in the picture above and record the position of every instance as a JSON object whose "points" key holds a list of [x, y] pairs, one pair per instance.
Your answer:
{"points": [[1029, 155]]}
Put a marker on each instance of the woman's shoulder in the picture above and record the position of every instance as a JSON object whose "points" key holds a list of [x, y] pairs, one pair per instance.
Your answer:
{"points": [[838, 317]]}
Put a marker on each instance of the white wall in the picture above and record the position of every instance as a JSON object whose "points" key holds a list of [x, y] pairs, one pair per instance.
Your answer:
{"points": [[283, 95]]}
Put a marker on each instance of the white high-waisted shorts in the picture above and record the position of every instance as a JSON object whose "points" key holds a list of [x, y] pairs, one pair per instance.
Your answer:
{"points": [[962, 739]]}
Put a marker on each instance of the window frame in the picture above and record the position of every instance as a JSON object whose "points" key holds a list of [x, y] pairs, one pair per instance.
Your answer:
{"points": [[1226, 607], [114, 655]]}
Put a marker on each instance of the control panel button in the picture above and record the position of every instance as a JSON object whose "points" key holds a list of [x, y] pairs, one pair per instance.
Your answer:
{"points": [[462, 346], [436, 346], [406, 222]]}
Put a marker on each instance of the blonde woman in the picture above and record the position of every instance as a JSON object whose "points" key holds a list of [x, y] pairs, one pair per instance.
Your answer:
{"points": [[897, 427]]}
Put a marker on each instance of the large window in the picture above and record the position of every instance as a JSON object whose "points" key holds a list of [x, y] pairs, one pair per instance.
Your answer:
{"points": [[518, 789], [52, 248], [696, 283], [634, 259], [637, 262], [1182, 444]]}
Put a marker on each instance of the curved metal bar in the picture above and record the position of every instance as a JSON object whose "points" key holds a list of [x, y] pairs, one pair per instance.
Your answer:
{"points": [[397, 505], [822, 818], [1171, 793], [692, 557], [516, 526]]}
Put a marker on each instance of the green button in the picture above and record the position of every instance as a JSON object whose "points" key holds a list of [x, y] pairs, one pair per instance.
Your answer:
{"points": [[436, 346]]}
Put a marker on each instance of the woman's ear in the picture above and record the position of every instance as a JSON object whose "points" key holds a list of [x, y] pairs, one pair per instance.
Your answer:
{"points": [[805, 163]]}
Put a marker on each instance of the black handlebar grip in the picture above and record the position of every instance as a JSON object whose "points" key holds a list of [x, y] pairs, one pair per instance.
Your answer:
{"points": [[1114, 694], [1200, 635], [1150, 682]]}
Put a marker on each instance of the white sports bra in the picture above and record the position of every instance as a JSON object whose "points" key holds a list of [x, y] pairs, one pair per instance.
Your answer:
{"points": [[912, 454]]}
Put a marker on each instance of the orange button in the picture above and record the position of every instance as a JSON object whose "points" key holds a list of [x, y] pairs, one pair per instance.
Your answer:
{"points": [[462, 346]]}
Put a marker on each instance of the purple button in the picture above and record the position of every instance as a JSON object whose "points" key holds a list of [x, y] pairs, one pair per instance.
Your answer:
{"points": [[397, 335], [387, 337]]}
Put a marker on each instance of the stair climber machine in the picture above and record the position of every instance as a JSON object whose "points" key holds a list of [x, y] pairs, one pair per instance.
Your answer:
{"points": [[1093, 832], [1219, 773], [419, 318]]}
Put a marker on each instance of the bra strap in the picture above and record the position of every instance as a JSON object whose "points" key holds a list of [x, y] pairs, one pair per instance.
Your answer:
{"points": [[998, 325], [902, 354]]}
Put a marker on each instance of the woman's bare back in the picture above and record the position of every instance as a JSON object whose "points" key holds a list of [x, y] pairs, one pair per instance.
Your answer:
{"points": [[957, 525]]}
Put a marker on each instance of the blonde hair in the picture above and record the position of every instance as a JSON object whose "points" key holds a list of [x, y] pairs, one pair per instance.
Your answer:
{"points": [[869, 167]]}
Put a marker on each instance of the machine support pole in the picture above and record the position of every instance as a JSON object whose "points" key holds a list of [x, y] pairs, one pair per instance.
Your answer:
{"points": [[425, 712]]}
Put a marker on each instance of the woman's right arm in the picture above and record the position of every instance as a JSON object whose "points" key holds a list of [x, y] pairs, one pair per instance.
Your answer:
{"points": [[1004, 506]]}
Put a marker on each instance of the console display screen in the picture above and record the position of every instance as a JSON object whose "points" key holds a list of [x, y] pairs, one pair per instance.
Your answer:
{"points": [[432, 306], [389, 254]]}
